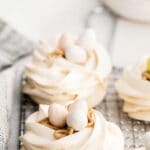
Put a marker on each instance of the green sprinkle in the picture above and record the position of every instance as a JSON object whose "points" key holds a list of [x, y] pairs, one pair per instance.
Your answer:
{"points": [[148, 65]]}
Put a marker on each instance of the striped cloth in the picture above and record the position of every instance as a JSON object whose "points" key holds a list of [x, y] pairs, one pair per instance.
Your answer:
{"points": [[13, 48]]}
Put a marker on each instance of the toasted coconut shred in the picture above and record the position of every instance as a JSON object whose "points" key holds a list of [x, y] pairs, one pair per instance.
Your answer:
{"points": [[146, 75]]}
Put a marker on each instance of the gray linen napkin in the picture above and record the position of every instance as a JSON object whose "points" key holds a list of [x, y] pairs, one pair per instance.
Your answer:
{"points": [[13, 48], [13, 105], [5, 82]]}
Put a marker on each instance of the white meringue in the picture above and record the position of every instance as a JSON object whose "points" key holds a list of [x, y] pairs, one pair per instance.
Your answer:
{"points": [[135, 91], [81, 74], [57, 115], [103, 136]]}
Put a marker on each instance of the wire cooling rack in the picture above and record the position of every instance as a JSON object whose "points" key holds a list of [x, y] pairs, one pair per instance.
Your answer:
{"points": [[111, 108]]}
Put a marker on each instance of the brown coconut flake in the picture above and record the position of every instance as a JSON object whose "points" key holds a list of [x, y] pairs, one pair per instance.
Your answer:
{"points": [[146, 75]]}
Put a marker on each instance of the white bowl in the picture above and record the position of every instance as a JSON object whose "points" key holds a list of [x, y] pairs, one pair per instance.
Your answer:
{"points": [[136, 10]]}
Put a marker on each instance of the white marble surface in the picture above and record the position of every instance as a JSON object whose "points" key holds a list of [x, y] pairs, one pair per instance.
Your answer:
{"points": [[46, 19]]}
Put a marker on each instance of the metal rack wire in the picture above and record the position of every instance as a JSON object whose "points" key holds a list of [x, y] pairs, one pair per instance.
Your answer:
{"points": [[111, 108]]}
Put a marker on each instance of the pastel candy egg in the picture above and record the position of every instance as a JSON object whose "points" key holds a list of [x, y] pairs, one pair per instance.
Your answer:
{"points": [[57, 115], [77, 119], [79, 105], [75, 54], [65, 41]]}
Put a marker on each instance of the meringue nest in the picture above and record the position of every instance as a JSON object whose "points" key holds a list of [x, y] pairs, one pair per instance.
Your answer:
{"points": [[66, 131]]}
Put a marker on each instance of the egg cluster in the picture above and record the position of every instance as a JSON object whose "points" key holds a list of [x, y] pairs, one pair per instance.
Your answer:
{"points": [[73, 116], [76, 51]]}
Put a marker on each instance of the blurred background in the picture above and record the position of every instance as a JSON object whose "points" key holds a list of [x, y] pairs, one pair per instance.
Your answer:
{"points": [[126, 37]]}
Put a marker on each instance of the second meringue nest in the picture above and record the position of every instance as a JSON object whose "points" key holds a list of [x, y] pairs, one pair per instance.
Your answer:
{"points": [[74, 69]]}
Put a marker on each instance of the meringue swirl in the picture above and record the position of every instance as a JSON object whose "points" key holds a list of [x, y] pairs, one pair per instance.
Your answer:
{"points": [[103, 136], [135, 91], [74, 69]]}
